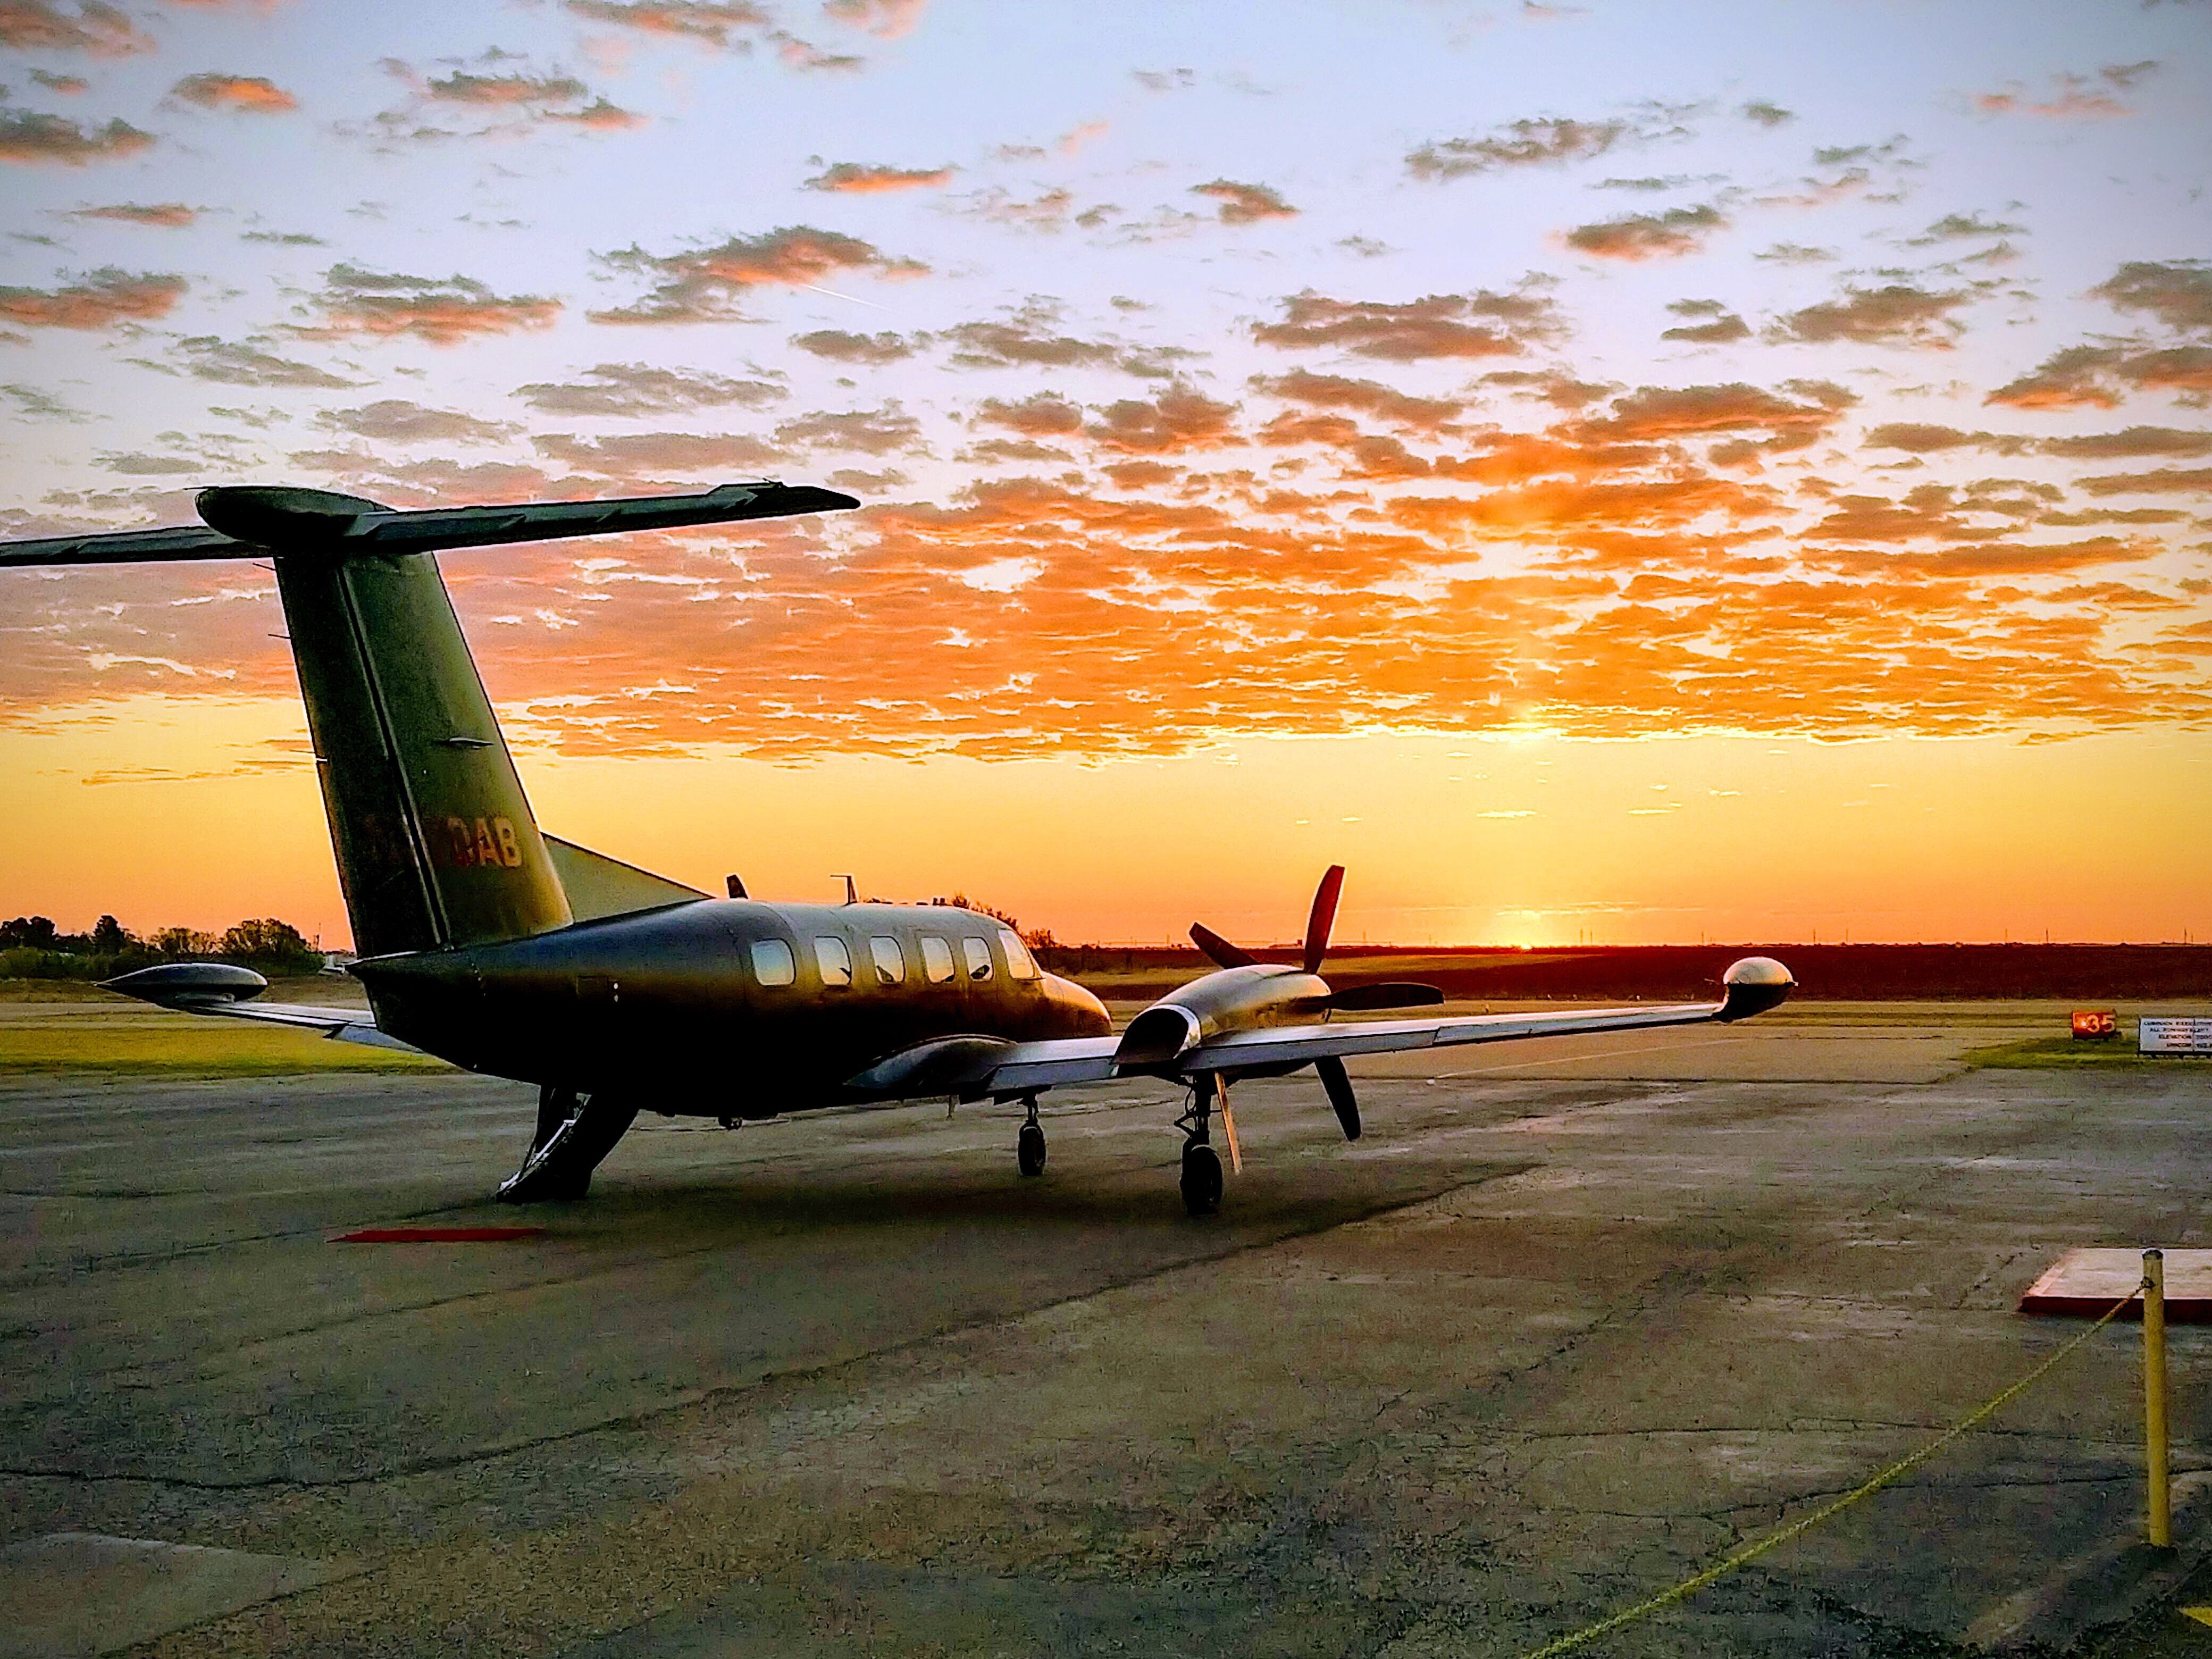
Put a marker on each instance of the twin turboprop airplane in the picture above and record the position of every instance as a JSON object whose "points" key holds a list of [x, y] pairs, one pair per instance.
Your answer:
{"points": [[504, 949]]}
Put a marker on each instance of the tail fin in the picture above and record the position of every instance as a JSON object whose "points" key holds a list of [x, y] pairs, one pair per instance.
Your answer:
{"points": [[435, 841], [435, 838]]}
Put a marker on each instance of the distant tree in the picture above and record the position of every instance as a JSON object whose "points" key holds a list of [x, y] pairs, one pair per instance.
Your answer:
{"points": [[178, 942], [110, 937], [1039, 939], [265, 939], [962, 902], [34, 932]]}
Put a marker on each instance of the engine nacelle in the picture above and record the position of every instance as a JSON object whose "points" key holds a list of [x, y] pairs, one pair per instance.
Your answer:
{"points": [[1232, 999]]}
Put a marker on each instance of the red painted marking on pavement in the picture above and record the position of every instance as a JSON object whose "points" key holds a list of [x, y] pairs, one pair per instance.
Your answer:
{"points": [[436, 1235]]}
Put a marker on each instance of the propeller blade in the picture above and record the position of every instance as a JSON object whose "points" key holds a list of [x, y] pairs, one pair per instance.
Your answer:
{"points": [[1372, 999], [1324, 917], [1229, 1129], [1340, 1097], [1224, 954]]}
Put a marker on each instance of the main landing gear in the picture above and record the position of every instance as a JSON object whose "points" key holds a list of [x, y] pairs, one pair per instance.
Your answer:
{"points": [[574, 1132], [1029, 1145], [1201, 1165]]}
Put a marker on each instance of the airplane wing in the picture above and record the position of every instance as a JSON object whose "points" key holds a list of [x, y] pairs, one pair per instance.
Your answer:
{"points": [[1020, 1067], [215, 987], [1284, 1045]]}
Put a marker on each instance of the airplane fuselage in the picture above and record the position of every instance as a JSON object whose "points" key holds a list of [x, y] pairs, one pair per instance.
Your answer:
{"points": [[729, 1008]]}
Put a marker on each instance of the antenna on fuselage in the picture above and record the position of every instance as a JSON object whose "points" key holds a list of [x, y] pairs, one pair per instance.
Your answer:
{"points": [[737, 888], [851, 893]]}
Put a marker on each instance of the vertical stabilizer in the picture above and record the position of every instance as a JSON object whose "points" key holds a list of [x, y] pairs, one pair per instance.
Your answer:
{"points": [[435, 838]]}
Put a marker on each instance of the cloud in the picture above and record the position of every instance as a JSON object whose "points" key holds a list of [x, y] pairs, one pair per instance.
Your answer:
{"points": [[506, 91], [1895, 314], [1719, 326], [443, 311], [639, 389], [1043, 415], [1047, 210], [2188, 481], [501, 100], [883, 431], [242, 362], [840, 347], [1449, 325], [1173, 80], [1025, 338], [887, 20], [664, 457], [1765, 114], [2072, 97], [1652, 413], [250, 93], [1795, 253], [1639, 236], [1245, 204], [2098, 376], [39, 405], [858, 178], [1428, 415], [396, 420], [103, 299], [2135, 442], [1550, 142], [2178, 293], [95, 28], [1179, 419], [718, 23], [67, 85], [1964, 226], [805, 55], [166, 215], [28, 136], [705, 284]]}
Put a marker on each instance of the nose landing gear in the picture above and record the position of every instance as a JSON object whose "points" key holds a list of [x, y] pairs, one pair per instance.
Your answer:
{"points": [[1029, 1145]]}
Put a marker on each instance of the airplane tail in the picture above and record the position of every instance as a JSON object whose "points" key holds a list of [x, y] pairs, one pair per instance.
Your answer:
{"points": [[435, 841]]}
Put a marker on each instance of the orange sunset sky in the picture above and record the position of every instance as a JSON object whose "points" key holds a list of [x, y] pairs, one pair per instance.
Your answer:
{"points": [[1628, 473]]}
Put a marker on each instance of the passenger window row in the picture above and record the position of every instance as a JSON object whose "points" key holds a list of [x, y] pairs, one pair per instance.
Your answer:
{"points": [[775, 965]]}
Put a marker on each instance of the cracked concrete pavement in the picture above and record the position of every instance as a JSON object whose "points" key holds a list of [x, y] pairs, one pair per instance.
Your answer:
{"points": [[1572, 1320]]}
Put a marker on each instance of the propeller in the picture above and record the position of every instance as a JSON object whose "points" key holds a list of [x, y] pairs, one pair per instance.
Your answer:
{"points": [[1321, 922], [1322, 917], [1339, 1084]]}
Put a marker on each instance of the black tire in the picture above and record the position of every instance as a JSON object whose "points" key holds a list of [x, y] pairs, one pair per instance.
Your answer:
{"points": [[1029, 1150], [1201, 1181]]}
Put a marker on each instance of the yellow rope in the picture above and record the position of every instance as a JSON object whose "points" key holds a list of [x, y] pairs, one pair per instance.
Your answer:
{"points": [[1896, 1470]]}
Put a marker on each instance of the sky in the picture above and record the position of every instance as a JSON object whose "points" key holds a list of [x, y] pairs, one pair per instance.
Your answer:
{"points": [[1613, 473]]}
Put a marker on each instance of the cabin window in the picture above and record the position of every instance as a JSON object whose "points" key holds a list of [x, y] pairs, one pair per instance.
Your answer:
{"points": [[1020, 965], [890, 961], [773, 963], [936, 959], [978, 953], [835, 960]]}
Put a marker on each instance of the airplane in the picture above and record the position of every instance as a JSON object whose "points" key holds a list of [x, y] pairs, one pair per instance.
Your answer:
{"points": [[504, 949]]}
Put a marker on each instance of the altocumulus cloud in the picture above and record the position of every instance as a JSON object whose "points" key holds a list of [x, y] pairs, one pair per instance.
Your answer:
{"points": [[705, 285], [30, 136], [444, 312]]}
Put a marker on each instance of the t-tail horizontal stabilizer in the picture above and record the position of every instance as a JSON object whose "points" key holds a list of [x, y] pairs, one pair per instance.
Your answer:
{"points": [[246, 521]]}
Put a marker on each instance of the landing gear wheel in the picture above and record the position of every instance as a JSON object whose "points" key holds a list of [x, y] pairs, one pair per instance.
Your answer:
{"points": [[1028, 1149], [1201, 1181]]}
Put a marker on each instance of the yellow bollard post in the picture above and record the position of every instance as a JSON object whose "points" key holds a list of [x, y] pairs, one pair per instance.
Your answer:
{"points": [[2162, 1496]]}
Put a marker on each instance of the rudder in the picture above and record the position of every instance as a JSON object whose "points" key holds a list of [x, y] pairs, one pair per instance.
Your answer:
{"points": [[435, 841]]}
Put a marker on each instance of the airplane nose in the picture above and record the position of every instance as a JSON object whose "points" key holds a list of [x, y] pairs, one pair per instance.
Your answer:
{"points": [[1087, 1015]]}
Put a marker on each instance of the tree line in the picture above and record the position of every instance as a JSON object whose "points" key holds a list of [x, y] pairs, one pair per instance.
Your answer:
{"points": [[34, 947]]}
